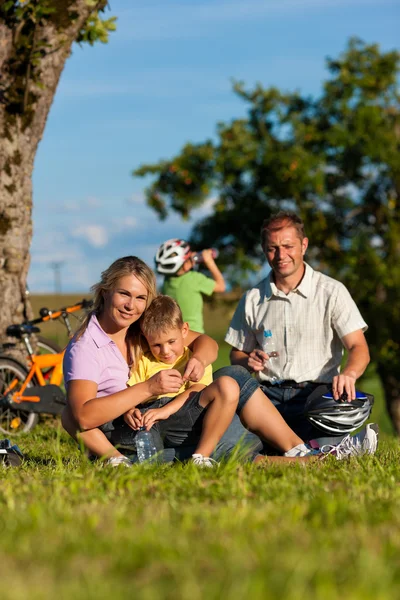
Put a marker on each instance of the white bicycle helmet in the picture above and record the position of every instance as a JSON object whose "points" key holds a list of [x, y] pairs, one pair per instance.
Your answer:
{"points": [[337, 416], [171, 255]]}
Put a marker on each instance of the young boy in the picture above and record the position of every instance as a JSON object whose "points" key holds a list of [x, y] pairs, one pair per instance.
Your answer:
{"points": [[174, 260], [165, 331]]}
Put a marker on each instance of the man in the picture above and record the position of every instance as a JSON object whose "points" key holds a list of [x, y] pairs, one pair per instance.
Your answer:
{"points": [[312, 317]]}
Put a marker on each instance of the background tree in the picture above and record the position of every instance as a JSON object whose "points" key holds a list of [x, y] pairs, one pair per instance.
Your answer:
{"points": [[333, 159], [35, 41]]}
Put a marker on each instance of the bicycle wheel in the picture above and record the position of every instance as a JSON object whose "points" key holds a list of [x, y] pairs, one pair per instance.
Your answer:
{"points": [[45, 346], [12, 420]]}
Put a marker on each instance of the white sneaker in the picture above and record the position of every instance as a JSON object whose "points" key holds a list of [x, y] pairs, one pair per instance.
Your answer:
{"points": [[203, 461], [116, 461], [301, 450], [364, 442]]}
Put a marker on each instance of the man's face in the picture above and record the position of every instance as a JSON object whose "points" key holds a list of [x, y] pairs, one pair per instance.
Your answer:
{"points": [[284, 251]]}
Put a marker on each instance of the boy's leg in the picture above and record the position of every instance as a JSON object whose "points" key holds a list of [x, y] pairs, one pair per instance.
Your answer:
{"points": [[221, 399], [257, 413]]}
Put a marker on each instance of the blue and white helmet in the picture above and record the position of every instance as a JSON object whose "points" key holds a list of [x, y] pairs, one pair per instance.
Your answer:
{"points": [[337, 416], [171, 255]]}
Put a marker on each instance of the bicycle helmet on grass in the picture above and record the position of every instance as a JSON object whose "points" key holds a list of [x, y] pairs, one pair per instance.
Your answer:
{"points": [[337, 416], [171, 255]]}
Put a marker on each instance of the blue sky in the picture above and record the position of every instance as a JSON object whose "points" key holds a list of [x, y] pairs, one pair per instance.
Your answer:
{"points": [[162, 80]]}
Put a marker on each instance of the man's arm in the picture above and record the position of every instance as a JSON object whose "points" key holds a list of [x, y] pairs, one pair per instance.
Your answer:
{"points": [[357, 361], [253, 362]]}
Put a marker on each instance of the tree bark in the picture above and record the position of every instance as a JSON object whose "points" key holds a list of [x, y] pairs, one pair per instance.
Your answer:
{"points": [[24, 107]]}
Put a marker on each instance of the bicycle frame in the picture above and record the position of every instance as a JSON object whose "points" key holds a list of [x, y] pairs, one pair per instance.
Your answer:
{"points": [[38, 362]]}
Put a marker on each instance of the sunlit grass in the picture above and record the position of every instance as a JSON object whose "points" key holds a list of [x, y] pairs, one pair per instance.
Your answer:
{"points": [[326, 531]]}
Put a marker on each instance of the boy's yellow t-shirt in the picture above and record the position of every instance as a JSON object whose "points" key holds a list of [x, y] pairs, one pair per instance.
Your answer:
{"points": [[149, 366]]}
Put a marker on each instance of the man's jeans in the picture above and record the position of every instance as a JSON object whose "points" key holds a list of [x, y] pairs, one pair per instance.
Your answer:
{"points": [[290, 402]]}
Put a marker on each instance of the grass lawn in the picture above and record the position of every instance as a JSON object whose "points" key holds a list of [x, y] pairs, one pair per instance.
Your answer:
{"points": [[328, 530]]}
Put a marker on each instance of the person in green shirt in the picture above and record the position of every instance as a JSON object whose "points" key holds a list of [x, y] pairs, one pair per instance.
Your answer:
{"points": [[175, 260]]}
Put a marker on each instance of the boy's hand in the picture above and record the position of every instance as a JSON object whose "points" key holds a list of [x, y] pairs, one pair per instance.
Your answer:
{"points": [[194, 370], [134, 418], [156, 414], [165, 382]]}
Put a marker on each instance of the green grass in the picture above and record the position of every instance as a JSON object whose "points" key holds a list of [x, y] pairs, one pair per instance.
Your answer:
{"points": [[70, 529], [326, 531]]}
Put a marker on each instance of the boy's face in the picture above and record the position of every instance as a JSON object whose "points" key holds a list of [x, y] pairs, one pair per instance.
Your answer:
{"points": [[167, 346], [187, 266]]}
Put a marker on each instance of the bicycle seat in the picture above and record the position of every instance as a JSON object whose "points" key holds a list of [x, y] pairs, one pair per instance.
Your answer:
{"points": [[21, 329]]}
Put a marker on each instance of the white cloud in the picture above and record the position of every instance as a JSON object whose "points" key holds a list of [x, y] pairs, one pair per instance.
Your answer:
{"points": [[95, 235]]}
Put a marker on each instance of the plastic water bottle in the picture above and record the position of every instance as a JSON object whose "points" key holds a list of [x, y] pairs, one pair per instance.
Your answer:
{"points": [[198, 257], [273, 362], [146, 447]]}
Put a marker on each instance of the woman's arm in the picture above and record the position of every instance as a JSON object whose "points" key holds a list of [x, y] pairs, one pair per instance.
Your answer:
{"points": [[205, 352], [89, 411]]}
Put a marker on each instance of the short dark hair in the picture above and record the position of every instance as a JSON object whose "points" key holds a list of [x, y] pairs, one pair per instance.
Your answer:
{"points": [[163, 313], [280, 220]]}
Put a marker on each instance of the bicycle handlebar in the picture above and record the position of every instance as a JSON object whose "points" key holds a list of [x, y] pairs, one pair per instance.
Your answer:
{"points": [[47, 314]]}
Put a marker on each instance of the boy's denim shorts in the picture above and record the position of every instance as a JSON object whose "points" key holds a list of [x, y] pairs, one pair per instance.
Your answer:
{"points": [[184, 427]]}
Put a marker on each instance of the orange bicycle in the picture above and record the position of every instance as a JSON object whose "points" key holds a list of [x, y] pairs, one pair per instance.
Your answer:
{"points": [[27, 392], [46, 346]]}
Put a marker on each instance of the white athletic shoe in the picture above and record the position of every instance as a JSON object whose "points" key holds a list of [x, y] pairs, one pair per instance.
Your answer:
{"points": [[203, 461], [364, 442], [116, 461], [301, 450]]}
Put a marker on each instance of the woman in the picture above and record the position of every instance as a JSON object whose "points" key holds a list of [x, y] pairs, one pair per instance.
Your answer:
{"points": [[99, 358]]}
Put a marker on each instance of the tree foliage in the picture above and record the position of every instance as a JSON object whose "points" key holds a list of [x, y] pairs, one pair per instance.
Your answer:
{"points": [[335, 160]]}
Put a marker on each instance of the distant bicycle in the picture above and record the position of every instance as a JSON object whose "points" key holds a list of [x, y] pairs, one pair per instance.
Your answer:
{"points": [[27, 392], [46, 346]]}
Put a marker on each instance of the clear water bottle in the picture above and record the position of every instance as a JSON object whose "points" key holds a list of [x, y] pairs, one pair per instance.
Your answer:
{"points": [[146, 447], [274, 362], [198, 257]]}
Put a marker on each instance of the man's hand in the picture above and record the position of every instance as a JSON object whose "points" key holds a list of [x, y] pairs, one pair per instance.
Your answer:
{"points": [[344, 383], [155, 414], [194, 370], [134, 418], [257, 360]]}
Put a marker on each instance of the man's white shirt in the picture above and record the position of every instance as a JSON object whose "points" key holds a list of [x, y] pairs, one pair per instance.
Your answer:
{"points": [[307, 325]]}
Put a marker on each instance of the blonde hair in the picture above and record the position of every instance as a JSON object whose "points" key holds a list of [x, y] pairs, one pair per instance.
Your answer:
{"points": [[279, 221], [163, 314], [128, 265]]}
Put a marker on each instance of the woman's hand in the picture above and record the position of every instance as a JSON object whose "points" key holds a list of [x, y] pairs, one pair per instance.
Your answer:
{"points": [[156, 414], [165, 382], [194, 370], [134, 418]]}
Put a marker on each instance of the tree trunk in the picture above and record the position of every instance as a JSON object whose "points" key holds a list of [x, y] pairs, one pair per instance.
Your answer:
{"points": [[391, 387], [27, 88]]}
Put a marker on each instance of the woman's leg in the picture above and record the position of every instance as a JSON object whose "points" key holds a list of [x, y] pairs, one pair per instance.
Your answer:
{"points": [[257, 413], [260, 416], [221, 397], [94, 440]]}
